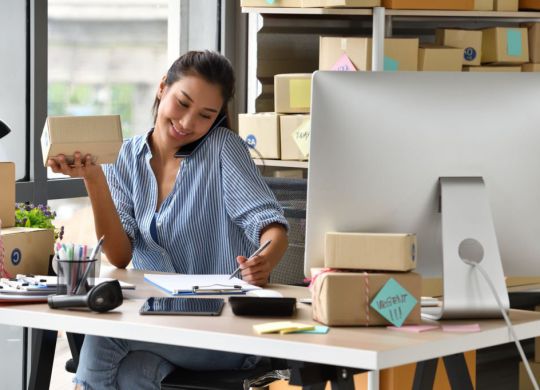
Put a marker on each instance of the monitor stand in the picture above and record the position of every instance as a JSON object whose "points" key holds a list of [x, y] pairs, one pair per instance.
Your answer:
{"points": [[468, 233]]}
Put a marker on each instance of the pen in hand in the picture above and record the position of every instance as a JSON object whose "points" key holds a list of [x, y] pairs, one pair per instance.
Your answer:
{"points": [[256, 253]]}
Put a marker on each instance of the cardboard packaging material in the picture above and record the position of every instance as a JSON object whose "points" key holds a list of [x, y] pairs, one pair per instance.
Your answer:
{"points": [[370, 251], [483, 5], [339, 298], [524, 381], [292, 93], [7, 194], [289, 148], [399, 378], [529, 4], [502, 45], [530, 68], [261, 132], [27, 250], [468, 40], [465, 5], [400, 54], [100, 136], [440, 59], [275, 3], [506, 5], [341, 3], [534, 41], [500, 69]]}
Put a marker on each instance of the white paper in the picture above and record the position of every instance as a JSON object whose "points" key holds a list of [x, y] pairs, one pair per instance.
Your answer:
{"points": [[177, 284]]}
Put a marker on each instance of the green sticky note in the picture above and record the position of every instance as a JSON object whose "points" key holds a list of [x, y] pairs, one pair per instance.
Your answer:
{"points": [[319, 329], [270, 1], [513, 42], [393, 302], [390, 64], [301, 137], [300, 93]]}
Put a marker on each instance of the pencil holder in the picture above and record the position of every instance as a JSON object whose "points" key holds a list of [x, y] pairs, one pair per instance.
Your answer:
{"points": [[75, 277]]}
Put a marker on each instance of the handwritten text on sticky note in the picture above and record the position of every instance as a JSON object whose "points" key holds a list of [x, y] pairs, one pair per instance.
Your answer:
{"points": [[301, 137], [344, 64], [393, 302]]}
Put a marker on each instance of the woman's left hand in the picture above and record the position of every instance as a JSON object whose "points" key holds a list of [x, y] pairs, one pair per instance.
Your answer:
{"points": [[255, 271]]}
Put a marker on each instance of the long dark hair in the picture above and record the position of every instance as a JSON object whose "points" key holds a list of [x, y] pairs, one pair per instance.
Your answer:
{"points": [[211, 66]]}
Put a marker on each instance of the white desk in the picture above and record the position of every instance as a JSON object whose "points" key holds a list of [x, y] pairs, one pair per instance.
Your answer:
{"points": [[366, 348]]}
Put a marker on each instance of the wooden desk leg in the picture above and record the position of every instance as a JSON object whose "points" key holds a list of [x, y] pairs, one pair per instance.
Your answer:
{"points": [[42, 357], [458, 373], [424, 375]]}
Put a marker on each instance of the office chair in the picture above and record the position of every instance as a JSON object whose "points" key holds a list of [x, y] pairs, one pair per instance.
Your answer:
{"points": [[291, 194]]}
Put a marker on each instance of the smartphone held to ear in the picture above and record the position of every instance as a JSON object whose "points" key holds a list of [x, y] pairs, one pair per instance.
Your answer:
{"points": [[189, 149]]}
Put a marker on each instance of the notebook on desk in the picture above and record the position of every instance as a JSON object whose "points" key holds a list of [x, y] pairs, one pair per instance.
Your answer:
{"points": [[199, 284]]}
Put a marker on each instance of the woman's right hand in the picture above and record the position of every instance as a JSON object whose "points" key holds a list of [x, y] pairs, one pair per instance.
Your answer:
{"points": [[81, 167]]}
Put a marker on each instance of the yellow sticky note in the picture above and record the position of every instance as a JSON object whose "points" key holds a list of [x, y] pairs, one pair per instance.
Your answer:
{"points": [[281, 327], [301, 137], [298, 328], [299, 93]]}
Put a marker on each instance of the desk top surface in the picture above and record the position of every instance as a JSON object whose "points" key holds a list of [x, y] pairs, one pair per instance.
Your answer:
{"points": [[368, 348]]}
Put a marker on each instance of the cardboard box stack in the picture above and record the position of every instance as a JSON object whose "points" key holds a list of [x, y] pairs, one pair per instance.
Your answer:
{"points": [[26, 250], [261, 132], [367, 281]]}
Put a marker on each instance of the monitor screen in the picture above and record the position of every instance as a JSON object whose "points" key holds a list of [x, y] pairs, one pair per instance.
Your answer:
{"points": [[381, 140]]}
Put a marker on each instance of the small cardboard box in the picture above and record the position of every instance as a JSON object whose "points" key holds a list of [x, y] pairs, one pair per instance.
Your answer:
{"points": [[499, 69], [292, 93], [534, 42], [370, 251], [400, 54], [341, 3], [465, 5], [506, 5], [274, 3], [468, 40], [440, 59], [339, 298], [7, 194], [261, 133], [483, 5], [289, 147], [530, 68], [503, 45], [524, 381], [529, 4], [27, 250], [100, 136]]}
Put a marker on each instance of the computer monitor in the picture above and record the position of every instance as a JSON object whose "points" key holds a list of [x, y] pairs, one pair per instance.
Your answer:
{"points": [[381, 141]]}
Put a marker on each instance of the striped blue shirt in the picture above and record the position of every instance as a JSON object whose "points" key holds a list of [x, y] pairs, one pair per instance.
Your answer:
{"points": [[216, 210]]}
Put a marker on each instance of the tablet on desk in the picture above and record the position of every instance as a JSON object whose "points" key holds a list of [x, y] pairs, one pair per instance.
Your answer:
{"points": [[183, 306]]}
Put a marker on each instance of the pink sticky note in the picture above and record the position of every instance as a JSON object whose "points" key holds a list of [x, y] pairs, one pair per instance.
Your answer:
{"points": [[344, 64], [461, 328], [414, 328]]}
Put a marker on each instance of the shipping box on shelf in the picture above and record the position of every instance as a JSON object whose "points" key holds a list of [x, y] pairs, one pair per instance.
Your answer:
{"points": [[292, 93], [534, 42], [400, 54], [468, 40], [530, 68], [7, 194], [346, 298], [524, 381], [506, 5], [341, 3], [100, 136], [529, 4], [465, 5], [273, 3], [261, 133], [289, 124], [503, 45], [399, 378], [483, 5], [440, 58], [499, 69], [370, 251], [27, 250]]}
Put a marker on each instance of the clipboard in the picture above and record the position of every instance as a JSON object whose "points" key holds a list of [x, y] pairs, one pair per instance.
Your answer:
{"points": [[199, 284]]}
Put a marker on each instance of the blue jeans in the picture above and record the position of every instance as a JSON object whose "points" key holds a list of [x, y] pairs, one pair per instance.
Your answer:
{"points": [[109, 363]]}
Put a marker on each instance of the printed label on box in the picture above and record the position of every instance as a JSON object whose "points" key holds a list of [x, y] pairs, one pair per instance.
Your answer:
{"points": [[344, 64], [300, 93], [393, 302], [513, 43], [301, 136], [469, 54], [251, 141]]}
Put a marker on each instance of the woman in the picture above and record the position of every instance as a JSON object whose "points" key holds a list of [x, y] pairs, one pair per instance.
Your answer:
{"points": [[201, 214]]}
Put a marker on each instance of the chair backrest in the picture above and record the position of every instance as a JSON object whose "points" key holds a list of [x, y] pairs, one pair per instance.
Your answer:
{"points": [[291, 194]]}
